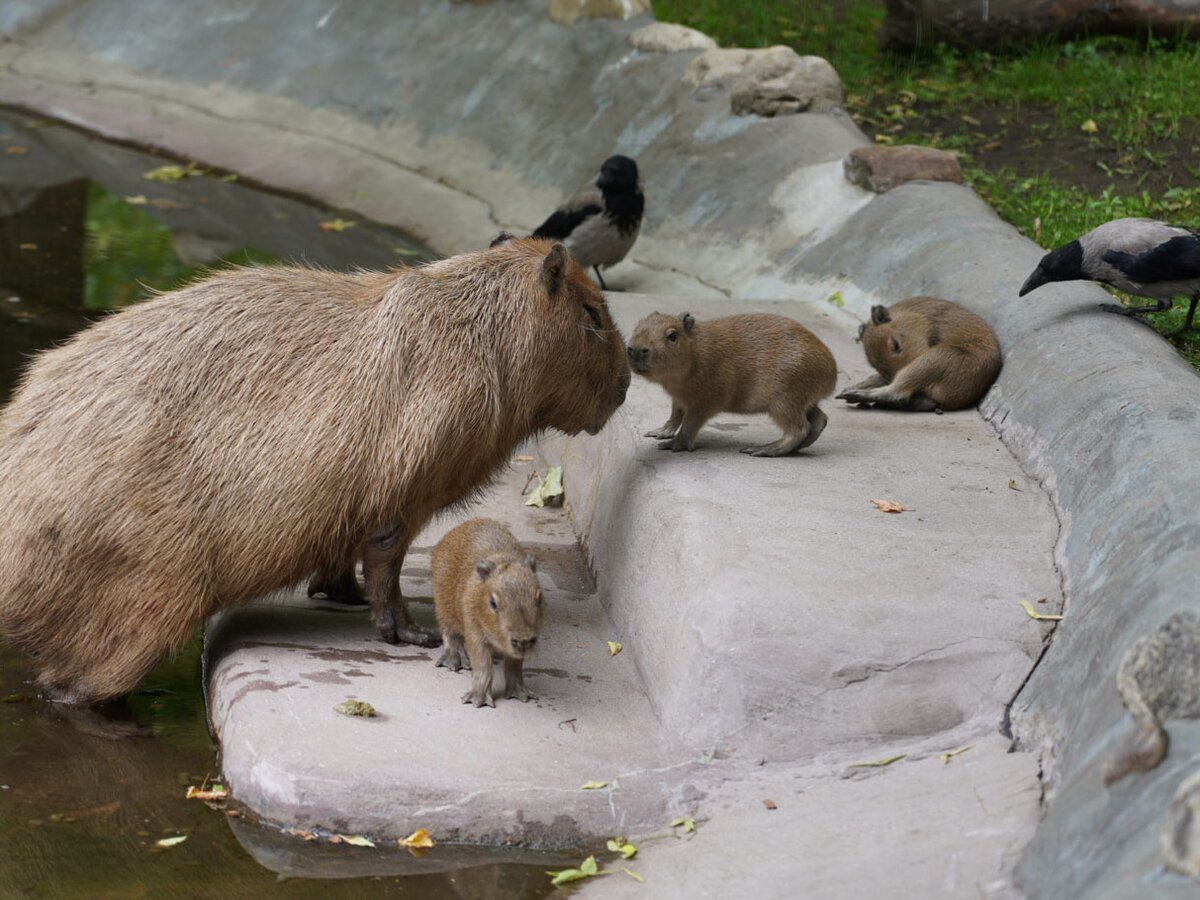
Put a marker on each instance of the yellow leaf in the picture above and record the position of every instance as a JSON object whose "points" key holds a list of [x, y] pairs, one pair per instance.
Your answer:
{"points": [[1089, 126], [593, 785], [620, 845], [1034, 614], [884, 139], [549, 491], [1012, 484], [360, 708], [878, 763], [306, 835], [171, 841], [613, 648], [688, 823], [588, 866], [171, 173], [632, 874], [565, 876], [889, 506], [945, 757], [336, 225], [419, 838], [137, 200], [356, 840], [216, 793]]}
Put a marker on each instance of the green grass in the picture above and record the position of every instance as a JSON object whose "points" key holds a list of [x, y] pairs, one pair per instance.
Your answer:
{"points": [[1057, 138]]}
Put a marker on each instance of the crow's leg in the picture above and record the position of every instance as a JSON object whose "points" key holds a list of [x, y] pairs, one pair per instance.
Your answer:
{"points": [[1187, 322], [603, 286], [1160, 306]]}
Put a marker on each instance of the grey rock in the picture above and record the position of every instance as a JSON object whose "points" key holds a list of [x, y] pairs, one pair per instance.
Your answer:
{"points": [[1181, 831], [879, 169], [667, 37], [768, 82]]}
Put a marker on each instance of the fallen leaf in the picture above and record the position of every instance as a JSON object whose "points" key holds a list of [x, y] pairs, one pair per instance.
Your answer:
{"points": [[216, 792], [1089, 126], [29, 246], [171, 173], [566, 876], [522, 458], [836, 299], [307, 835], [971, 120], [419, 839], [620, 845], [889, 506], [613, 648], [355, 840], [878, 763], [336, 225], [406, 251], [171, 841], [688, 823], [770, 804], [945, 757], [167, 203], [1034, 614], [1012, 484], [136, 200], [588, 866], [633, 874], [17, 151], [549, 491], [593, 785], [359, 708]]}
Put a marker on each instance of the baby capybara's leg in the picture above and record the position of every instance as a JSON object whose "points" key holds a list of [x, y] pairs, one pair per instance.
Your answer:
{"points": [[383, 557]]}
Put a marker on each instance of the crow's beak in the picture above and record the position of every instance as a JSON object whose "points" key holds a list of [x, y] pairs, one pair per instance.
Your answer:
{"points": [[1034, 281]]}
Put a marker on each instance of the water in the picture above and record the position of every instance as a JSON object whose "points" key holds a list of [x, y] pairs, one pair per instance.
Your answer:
{"points": [[85, 795]]}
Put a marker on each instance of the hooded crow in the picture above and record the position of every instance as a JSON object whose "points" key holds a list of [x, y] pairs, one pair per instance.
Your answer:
{"points": [[1139, 256], [600, 223]]}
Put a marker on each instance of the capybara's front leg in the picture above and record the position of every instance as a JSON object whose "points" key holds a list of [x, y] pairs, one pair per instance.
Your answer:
{"points": [[382, 558]]}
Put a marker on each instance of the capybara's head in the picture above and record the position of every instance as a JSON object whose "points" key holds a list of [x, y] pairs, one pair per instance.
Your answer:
{"points": [[579, 353], [513, 607], [662, 345], [891, 341]]}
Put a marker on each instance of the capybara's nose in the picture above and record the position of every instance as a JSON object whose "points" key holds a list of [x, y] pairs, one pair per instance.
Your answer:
{"points": [[523, 645]]}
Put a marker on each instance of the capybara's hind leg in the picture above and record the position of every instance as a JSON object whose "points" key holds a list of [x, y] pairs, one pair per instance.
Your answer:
{"points": [[796, 430], [382, 558], [817, 420], [337, 585]]}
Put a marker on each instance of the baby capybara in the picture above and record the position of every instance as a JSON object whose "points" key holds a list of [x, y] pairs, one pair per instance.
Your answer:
{"points": [[488, 600], [929, 354], [230, 438], [748, 363]]}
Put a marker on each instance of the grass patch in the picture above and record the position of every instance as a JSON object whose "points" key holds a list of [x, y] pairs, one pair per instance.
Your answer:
{"points": [[1058, 139]]}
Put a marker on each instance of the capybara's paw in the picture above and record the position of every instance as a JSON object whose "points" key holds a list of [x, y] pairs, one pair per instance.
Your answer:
{"points": [[388, 633], [517, 692], [410, 634], [681, 443], [450, 659], [479, 698], [850, 395], [661, 434]]}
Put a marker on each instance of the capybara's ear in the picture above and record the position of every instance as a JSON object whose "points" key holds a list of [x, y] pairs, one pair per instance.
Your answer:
{"points": [[501, 238], [862, 329], [554, 269], [688, 322], [879, 315], [531, 561], [484, 568]]}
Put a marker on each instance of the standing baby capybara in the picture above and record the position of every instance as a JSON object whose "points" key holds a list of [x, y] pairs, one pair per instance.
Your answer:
{"points": [[929, 354], [230, 438], [748, 363], [488, 600]]}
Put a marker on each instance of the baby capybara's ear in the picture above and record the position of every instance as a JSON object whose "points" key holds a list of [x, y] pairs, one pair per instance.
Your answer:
{"points": [[554, 269], [501, 238], [531, 561], [879, 315], [688, 321]]}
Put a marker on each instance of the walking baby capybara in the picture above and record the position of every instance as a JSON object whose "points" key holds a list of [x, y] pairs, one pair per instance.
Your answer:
{"points": [[748, 363], [487, 599], [930, 355], [230, 438]]}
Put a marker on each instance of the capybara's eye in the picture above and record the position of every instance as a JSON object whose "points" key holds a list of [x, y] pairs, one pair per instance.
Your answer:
{"points": [[672, 336], [492, 602], [591, 311], [895, 346]]}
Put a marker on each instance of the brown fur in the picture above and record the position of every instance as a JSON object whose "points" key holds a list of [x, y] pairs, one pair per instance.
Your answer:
{"points": [[476, 565], [930, 355], [228, 439], [750, 363]]}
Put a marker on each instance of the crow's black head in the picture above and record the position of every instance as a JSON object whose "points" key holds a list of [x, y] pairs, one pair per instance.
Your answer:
{"points": [[1062, 264], [619, 172]]}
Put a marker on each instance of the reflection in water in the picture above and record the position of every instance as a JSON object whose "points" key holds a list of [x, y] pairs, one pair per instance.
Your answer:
{"points": [[85, 795]]}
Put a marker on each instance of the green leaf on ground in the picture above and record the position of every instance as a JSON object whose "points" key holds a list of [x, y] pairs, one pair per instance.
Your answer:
{"points": [[549, 491], [688, 823], [878, 763], [593, 785], [620, 845]]}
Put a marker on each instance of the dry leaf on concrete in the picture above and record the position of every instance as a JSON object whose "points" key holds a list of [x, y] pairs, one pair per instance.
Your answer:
{"points": [[1034, 614], [889, 506], [593, 785], [419, 840]]}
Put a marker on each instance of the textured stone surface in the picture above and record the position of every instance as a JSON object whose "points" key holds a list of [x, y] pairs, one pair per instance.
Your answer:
{"points": [[880, 169], [567, 12], [667, 37], [355, 107], [767, 82]]}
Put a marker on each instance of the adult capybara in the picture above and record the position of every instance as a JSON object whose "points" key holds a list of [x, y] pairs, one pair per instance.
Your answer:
{"points": [[230, 438]]}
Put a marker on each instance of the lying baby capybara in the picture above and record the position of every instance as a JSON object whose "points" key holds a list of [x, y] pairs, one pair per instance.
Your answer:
{"points": [[929, 354], [230, 438], [748, 363], [488, 600]]}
